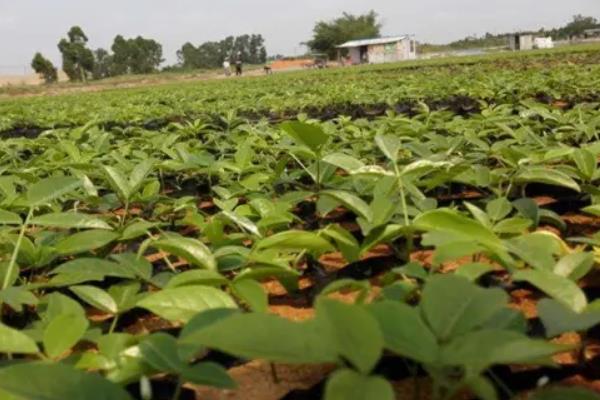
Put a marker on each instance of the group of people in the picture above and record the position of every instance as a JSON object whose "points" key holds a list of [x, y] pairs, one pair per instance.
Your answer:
{"points": [[238, 66]]}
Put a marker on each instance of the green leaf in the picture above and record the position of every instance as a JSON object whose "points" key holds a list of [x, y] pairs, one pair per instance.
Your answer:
{"points": [[95, 268], [14, 341], [404, 331], [558, 318], [351, 201], [16, 297], [547, 176], [594, 210], [452, 305], [479, 214], [182, 303], [474, 271], [297, 343], [83, 242], [296, 241], [512, 226], [311, 136], [139, 173], [197, 277], [355, 333], [479, 350], [136, 229], [242, 222], [125, 295], [528, 209], [70, 220], [345, 242], [252, 293], [134, 265], [160, 351], [49, 189], [387, 233], [560, 288], [536, 249], [43, 381], [96, 297], [444, 220], [575, 266], [346, 384], [64, 332], [498, 209], [390, 145], [344, 161], [9, 218], [482, 388], [191, 250], [118, 182], [208, 373], [586, 162]]}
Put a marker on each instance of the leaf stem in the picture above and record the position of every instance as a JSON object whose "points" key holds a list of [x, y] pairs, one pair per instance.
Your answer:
{"points": [[13, 259], [178, 388], [113, 325]]}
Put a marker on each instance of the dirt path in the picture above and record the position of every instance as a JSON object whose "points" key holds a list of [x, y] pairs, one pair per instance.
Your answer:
{"points": [[31, 85]]}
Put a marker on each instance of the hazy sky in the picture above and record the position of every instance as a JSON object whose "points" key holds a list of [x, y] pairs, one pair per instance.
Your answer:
{"points": [[27, 26]]}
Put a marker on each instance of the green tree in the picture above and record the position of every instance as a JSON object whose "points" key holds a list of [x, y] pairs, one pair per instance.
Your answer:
{"points": [[103, 62], [328, 35], [577, 26], [44, 67], [77, 59], [135, 56], [212, 54]]}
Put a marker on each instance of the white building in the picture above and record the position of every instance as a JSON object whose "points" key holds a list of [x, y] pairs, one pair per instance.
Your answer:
{"points": [[543, 43], [380, 50]]}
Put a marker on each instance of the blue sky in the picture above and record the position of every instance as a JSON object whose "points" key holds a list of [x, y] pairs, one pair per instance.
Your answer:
{"points": [[27, 26]]}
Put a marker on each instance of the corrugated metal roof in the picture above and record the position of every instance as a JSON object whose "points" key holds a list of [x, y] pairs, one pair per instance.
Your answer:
{"points": [[370, 42]]}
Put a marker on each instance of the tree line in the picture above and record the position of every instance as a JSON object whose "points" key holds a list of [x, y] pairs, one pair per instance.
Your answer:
{"points": [[141, 56], [250, 48]]}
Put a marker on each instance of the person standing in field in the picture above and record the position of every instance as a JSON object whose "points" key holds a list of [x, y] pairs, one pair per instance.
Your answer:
{"points": [[238, 64], [227, 67]]}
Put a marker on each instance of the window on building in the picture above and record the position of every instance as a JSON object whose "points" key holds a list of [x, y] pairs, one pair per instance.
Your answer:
{"points": [[412, 46]]}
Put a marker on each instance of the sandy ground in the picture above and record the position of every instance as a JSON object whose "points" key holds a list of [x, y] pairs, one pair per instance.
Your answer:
{"points": [[32, 79], [31, 85]]}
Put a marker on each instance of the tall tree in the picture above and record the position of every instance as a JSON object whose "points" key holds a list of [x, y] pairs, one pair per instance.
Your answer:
{"points": [[212, 54], [135, 56], [44, 67], [578, 26], [103, 62], [77, 59], [327, 35]]}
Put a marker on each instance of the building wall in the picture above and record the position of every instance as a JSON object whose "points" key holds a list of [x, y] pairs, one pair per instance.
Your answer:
{"points": [[391, 52], [354, 54], [526, 42], [543, 43]]}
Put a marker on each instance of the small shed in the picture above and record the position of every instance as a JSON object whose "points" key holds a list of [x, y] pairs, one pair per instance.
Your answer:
{"points": [[380, 50], [521, 41]]}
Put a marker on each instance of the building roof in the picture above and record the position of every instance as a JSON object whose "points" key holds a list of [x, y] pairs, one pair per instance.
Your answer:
{"points": [[370, 42]]}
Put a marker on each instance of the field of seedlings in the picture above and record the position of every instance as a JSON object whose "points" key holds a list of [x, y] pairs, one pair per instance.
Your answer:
{"points": [[417, 231]]}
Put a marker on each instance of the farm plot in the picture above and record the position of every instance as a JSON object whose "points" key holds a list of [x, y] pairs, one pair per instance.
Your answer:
{"points": [[422, 232]]}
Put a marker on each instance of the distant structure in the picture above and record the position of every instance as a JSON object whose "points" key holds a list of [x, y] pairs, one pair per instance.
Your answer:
{"points": [[543, 43], [591, 33], [380, 50], [520, 41], [528, 41]]}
